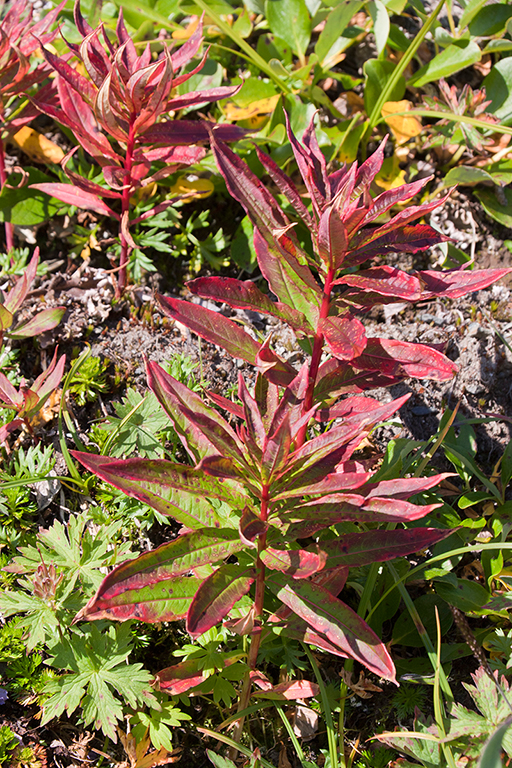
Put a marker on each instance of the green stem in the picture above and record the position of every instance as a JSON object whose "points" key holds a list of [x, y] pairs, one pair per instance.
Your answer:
{"points": [[376, 113], [329, 724], [9, 230]]}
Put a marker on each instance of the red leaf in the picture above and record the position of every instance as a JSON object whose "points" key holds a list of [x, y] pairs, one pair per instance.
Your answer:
{"points": [[297, 563], [363, 408], [295, 689], [330, 483], [403, 488], [392, 357], [181, 677], [213, 327], [456, 283], [345, 336], [385, 281], [332, 238], [286, 187], [175, 132], [336, 378], [198, 98], [216, 596], [251, 527], [408, 239], [72, 195]]}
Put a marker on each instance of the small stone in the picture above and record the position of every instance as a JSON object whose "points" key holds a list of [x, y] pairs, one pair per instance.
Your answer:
{"points": [[473, 329], [422, 410]]}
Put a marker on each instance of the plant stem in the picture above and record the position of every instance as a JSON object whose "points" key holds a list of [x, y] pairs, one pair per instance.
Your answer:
{"points": [[259, 596], [318, 346], [9, 230], [121, 283]]}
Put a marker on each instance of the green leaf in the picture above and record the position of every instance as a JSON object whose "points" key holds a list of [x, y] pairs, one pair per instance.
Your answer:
{"points": [[26, 207], [406, 633], [139, 431], [377, 74], [463, 594], [381, 25], [466, 176], [219, 761], [490, 757], [490, 20], [497, 86], [452, 59], [335, 24], [289, 20], [493, 207], [243, 252]]}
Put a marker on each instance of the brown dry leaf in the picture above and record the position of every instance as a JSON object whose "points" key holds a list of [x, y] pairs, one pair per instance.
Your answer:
{"points": [[283, 758], [136, 752], [37, 147], [305, 722], [195, 188], [484, 66], [403, 127], [260, 107], [473, 571], [49, 410], [362, 688]]}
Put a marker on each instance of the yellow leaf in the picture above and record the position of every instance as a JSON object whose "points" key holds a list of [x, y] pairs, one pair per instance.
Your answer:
{"points": [[194, 187], [403, 127], [37, 147], [142, 194], [390, 175], [185, 33], [260, 107]]}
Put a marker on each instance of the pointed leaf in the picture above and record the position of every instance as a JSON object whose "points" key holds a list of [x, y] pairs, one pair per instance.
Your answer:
{"points": [[404, 488], [336, 378], [213, 327], [245, 295], [186, 132], [332, 238], [6, 318], [295, 689], [217, 595], [173, 489], [251, 526], [342, 481], [198, 98], [181, 677], [456, 283], [353, 549], [385, 281], [176, 558], [167, 600], [339, 623], [393, 357], [297, 563], [43, 321], [72, 195]]}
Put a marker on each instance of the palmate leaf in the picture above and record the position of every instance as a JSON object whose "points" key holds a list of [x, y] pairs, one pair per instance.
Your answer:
{"points": [[177, 490], [340, 624], [217, 595]]}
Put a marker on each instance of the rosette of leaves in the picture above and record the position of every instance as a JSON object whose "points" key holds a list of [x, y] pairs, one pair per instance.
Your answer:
{"points": [[19, 38], [258, 507], [114, 115]]}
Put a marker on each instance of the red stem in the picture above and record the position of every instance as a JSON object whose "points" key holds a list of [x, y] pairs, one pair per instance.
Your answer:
{"points": [[125, 207], [9, 229], [318, 346]]}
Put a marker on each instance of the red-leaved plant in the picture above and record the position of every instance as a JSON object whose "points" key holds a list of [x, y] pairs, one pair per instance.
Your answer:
{"points": [[114, 116], [19, 38], [267, 486]]}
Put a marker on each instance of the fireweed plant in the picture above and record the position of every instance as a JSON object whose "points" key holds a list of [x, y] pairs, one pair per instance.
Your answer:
{"points": [[19, 39], [259, 549], [114, 116]]}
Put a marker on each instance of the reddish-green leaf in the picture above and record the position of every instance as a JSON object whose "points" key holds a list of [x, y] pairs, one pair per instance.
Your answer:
{"points": [[217, 595], [213, 327], [336, 378], [245, 295], [295, 689], [456, 283], [385, 281], [43, 321], [167, 600], [339, 623], [181, 677], [335, 481], [251, 526], [352, 549], [393, 357], [6, 318], [176, 558], [332, 238], [173, 489]]}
